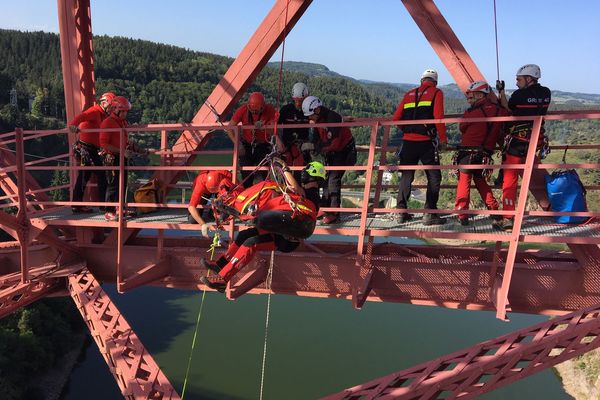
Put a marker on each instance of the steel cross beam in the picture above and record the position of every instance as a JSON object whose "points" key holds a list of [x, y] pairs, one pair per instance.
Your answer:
{"points": [[486, 366], [444, 41], [242, 72], [22, 294], [75, 24], [136, 372]]}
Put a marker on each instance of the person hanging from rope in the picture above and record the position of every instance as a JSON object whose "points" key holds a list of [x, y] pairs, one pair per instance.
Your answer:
{"points": [[477, 143], [280, 219], [110, 150], [422, 142], [337, 146], [255, 141], [529, 99], [296, 144], [86, 149], [207, 183]]}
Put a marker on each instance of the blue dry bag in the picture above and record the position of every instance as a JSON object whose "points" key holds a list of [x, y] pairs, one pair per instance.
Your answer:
{"points": [[566, 194]]}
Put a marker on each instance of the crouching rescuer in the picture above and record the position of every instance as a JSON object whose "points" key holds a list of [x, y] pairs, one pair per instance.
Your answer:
{"points": [[281, 217]]}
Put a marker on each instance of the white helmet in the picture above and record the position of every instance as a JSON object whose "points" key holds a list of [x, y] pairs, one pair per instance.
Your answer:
{"points": [[310, 104], [431, 74], [479, 86], [530, 70], [299, 91]]}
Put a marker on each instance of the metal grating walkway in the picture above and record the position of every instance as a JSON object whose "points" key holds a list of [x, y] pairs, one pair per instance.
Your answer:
{"points": [[535, 229]]}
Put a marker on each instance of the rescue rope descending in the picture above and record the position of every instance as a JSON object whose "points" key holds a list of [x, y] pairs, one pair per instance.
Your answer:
{"points": [[496, 34]]}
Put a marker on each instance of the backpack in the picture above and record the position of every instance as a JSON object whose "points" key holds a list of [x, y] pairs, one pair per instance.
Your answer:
{"points": [[149, 192], [566, 194]]}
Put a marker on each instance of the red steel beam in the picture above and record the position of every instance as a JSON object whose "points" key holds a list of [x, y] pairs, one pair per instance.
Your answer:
{"points": [[486, 366], [242, 72], [75, 25], [444, 42], [136, 372], [260, 48], [23, 294], [74, 20]]}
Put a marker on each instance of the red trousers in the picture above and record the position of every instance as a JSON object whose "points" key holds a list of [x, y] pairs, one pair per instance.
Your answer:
{"points": [[239, 255], [463, 193], [511, 180]]}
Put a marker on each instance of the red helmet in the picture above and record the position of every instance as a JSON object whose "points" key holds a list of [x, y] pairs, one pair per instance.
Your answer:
{"points": [[120, 103], [213, 178], [106, 99], [256, 102]]}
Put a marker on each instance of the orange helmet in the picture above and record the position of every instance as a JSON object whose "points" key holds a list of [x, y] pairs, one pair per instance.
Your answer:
{"points": [[213, 178], [120, 103], [106, 100], [256, 102]]}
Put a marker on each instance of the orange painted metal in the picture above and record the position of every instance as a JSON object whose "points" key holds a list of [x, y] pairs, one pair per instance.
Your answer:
{"points": [[20, 295], [444, 41], [486, 366], [136, 372]]}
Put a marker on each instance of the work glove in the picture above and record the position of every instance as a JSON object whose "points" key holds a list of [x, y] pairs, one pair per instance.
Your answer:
{"points": [[307, 147], [204, 230], [499, 85], [73, 129], [278, 162], [258, 124]]}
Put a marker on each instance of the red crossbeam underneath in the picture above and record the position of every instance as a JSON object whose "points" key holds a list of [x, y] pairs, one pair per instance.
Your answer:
{"points": [[136, 372], [486, 366], [19, 295]]}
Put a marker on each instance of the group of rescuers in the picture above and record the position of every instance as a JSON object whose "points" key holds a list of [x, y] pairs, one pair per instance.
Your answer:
{"points": [[280, 218]]}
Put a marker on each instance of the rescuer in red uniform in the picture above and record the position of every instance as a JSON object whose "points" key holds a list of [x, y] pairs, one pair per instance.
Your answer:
{"points": [[255, 142], [110, 144], [280, 221], [87, 147], [206, 184], [477, 143], [529, 99], [337, 146], [422, 142]]}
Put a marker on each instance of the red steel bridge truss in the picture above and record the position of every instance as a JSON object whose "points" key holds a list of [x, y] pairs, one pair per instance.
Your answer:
{"points": [[57, 253]]}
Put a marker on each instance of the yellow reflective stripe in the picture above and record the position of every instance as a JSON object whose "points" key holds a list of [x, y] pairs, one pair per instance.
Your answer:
{"points": [[252, 198], [424, 103], [304, 208], [409, 105]]}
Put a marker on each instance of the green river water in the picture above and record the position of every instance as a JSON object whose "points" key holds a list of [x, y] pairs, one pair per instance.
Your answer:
{"points": [[316, 347]]}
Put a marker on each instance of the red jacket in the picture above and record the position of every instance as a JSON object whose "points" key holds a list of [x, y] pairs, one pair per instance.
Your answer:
{"points": [[243, 116], [485, 134], [91, 118], [428, 105], [304, 205], [112, 137], [256, 195], [199, 186]]}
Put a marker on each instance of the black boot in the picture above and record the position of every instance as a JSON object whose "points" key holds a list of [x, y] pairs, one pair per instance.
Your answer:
{"points": [[216, 283]]}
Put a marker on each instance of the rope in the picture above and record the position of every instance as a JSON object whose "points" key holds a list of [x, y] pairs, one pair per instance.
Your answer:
{"points": [[264, 358], [496, 33], [187, 371]]}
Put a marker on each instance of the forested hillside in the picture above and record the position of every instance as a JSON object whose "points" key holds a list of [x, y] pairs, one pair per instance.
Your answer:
{"points": [[168, 84]]}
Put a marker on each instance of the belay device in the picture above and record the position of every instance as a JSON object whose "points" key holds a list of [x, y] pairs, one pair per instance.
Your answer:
{"points": [[566, 194]]}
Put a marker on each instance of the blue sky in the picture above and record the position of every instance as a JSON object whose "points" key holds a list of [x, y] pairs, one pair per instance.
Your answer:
{"points": [[375, 39]]}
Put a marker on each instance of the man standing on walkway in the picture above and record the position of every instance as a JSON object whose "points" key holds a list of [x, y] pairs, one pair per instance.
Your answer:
{"points": [[529, 99], [422, 142]]}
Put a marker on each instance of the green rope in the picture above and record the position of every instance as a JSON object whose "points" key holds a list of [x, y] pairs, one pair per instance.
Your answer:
{"points": [[187, 371], [215, 243]]}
